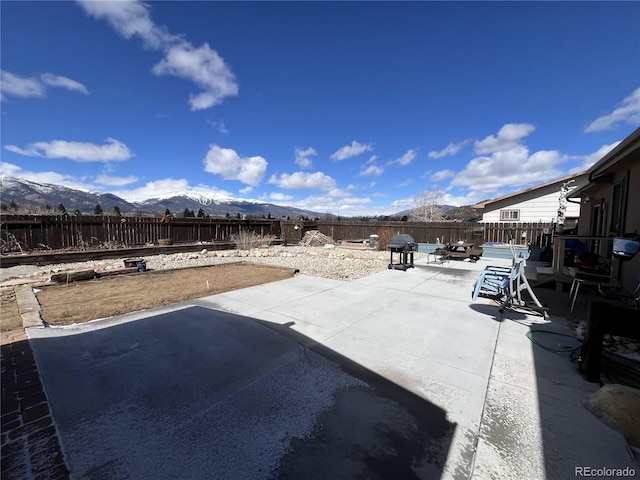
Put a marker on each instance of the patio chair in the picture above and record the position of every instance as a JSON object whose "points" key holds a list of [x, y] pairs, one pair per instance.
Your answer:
{"points": [[496, 283], [508, 283]]}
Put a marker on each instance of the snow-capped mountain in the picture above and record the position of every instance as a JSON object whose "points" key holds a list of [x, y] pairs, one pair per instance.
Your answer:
{"points": [[26, 193]]}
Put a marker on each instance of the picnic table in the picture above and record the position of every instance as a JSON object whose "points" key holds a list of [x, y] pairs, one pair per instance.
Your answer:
{"points": [[459, 251]]}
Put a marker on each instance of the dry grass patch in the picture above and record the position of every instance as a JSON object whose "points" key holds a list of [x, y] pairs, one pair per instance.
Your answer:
{"points": [[109, 296], [10, 318]]}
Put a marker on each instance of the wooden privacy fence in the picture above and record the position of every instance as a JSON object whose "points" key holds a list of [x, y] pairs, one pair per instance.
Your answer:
{"points": [[536, 233], [64, 231], [109, 231]]}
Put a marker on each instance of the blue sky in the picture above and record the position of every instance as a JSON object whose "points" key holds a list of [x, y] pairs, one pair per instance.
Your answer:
{"points": [[348, 108]]}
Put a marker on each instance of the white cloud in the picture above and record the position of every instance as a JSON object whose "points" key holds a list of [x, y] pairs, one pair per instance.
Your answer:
{"points": [[510, 168], [507, 138], [25, 87], [231, 166], [450, 150], [628, 112], [349, 151], [156, 188], [10, 169], [167, 186], [280, 197], [407, 182], [200, 65], [302, 157], [401, 204], [113, 150], [405, 159], [470, 198], [587, 160], [130, 18], [373, 170], [303, 180], [11, 84], [246, 190], [441, 175], [218, 125], [52, 80], [115, 181], [204, 67], [45, 177], [337, 203]]}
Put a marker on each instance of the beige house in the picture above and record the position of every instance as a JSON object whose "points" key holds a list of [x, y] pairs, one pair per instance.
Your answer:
{"points": [[610, 205]]}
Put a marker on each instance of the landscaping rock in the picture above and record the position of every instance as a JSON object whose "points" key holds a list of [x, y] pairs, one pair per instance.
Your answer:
{"points": [[313, 238], [618, 406]]}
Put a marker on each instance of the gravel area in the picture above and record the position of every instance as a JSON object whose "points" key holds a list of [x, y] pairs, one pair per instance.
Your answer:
{"points": [[337, 262]]}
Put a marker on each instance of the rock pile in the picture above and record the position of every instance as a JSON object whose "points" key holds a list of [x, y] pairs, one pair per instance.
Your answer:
{"points": [[313, 238]]}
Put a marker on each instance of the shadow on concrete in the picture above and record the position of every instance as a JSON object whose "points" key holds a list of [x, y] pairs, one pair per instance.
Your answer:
{"points": [[201, 393], [493, 312]]}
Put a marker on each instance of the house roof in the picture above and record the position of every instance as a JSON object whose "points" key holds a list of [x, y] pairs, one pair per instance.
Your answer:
{"points": [[628, 145], [484, 203], [624, 148]]}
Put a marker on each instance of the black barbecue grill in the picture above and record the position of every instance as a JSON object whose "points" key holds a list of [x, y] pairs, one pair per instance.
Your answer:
{"points": [[404, 245]]}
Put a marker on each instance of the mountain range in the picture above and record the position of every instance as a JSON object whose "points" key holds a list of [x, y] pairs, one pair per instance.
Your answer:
{"points": [[33, 197], [26, 194]]}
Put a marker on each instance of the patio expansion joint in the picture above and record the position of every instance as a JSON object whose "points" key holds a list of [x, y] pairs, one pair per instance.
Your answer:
{"points": [[484, 406]]}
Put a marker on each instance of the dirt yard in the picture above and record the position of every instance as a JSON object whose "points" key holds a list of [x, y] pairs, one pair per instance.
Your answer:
{"points": [[104, 297]]}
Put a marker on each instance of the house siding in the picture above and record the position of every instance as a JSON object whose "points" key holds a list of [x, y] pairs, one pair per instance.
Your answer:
{"points": [[535, 206], [602, 194]]}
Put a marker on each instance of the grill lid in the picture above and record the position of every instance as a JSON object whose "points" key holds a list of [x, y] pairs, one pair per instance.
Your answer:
{"points": [[402, 241]]}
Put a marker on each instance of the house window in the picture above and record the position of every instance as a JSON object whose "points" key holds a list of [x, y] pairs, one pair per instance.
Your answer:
{"points": [[509, 215]]}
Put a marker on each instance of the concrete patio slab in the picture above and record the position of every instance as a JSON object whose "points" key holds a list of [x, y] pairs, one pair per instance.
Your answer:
{"points": [[409, 374], [339, 307], [460, 393], [528, 435], [274, 294], [200, 393]]}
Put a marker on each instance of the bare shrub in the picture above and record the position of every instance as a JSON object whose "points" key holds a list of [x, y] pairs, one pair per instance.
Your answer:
{"points": [[10, 243], [384, 237], [95, 244], [246, 240]]}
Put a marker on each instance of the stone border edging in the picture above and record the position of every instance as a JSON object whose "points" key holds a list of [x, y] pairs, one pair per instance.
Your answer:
{"points": [[28, 306]]}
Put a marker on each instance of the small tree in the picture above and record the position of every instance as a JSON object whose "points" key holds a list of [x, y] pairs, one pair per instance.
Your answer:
{"points": [[427, 206], [98, 210], [61, 209], [116, 211], [13, 205], [200, 213]]}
